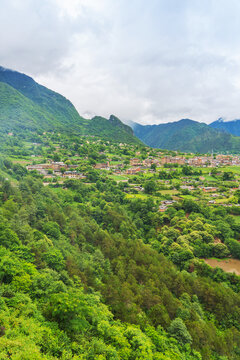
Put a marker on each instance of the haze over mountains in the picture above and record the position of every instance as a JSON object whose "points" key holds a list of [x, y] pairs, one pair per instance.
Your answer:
{"points": [[26, 105]]}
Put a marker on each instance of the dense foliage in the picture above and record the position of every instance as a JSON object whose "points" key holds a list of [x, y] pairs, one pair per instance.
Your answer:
{"points": [[109, 265], [82, 277]]}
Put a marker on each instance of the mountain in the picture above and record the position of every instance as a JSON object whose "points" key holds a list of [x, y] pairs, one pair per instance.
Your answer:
{"points": [[28, 98], [112, 127], [186, 135], [232, 127], [28, 106]]}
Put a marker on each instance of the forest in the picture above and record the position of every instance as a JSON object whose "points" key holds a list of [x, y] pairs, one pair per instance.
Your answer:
{"points": [[91, 269]]}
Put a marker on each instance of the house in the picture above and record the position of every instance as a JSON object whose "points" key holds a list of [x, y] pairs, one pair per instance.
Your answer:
{"points": [[135, 162], [209, 189], [58, 165], [187, 187], [101, 166], [73, 175], [133, 171], [212, 202]]}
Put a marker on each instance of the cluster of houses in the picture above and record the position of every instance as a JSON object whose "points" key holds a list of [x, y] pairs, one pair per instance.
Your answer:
{"points": [[137, 165], [206, 189], [214, 161], [202, 161], [52, 169]]}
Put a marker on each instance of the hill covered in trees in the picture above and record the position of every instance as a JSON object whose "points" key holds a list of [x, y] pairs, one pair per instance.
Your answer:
{"points": [[102, 244], [84, 275], [27, 106], [92, 269], [186, 135]]}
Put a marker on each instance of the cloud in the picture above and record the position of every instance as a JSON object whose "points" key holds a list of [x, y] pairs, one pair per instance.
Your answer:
{"points": [[149, 62]]}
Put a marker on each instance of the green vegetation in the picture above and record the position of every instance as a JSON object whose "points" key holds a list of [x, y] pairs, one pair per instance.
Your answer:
{"points": [[28, 106], [232, 127], [93, 273], [102, 242], [188, 136]]}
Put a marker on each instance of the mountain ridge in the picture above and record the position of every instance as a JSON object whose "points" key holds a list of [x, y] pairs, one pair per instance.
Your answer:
{"points": [[186, 135], [231, 126], [27, 105]]}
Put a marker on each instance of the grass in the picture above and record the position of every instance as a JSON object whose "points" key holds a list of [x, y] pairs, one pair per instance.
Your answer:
{"points": [[26, 160], [148, 175], [115, 162], [234, 169], [188, 197], [221, 200], [20, 161], [209, 178], [118, 177], [168, 192], [137, 196], [141, 196]]}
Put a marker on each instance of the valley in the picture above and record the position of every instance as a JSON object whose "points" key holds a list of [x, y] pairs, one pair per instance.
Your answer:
{"points": [[111, 249]]}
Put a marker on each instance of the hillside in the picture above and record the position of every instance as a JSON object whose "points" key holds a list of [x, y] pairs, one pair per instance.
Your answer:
{"points": [[26, 105], [56, 109], [97, 268], [186, 135], [103, 260], [112, 128], [232, 127]]}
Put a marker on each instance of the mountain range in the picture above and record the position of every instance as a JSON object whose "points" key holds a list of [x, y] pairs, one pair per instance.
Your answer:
{"points": [[26, 105], [232, 127], [189, 136]]}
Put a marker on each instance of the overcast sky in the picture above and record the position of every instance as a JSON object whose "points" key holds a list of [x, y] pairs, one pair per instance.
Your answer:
{"points": [[148, 61]]}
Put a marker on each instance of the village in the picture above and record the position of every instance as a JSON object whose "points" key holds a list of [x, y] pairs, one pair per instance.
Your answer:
{"points": [[137, 165], [52, 169]]}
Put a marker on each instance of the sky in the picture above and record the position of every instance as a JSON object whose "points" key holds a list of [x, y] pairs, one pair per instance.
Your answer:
{"points": [[149, 61]]}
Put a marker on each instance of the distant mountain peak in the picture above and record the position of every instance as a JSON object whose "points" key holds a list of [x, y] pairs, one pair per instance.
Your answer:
{"points": [[220, 120], [186, 121], [230, 126], [186, 135]]}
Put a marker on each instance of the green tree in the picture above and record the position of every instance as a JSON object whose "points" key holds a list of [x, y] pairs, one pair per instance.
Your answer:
{"points": [[179, 331], [153, 167], [150, 187], [52, 229]]}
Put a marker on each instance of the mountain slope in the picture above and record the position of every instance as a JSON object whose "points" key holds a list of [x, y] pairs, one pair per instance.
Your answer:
{"points": [[112, 127], [52, 104], [186, 135], [19, 112], [26, 105], [232, 127]]}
